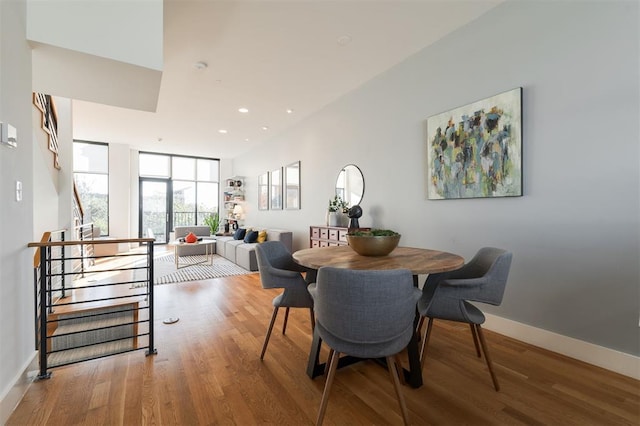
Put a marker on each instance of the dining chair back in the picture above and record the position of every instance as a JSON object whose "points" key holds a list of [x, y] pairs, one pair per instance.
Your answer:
{"points": [[366, 314], [278, 270], [448, 295]]}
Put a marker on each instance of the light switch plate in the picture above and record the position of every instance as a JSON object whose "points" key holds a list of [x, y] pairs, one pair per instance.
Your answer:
{"points": [[8, 135]]}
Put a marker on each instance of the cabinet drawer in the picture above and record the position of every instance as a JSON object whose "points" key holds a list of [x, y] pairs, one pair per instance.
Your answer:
{"points": [[342, 236], [315, 232], [315, 243], [324, 233], [333, 234]]}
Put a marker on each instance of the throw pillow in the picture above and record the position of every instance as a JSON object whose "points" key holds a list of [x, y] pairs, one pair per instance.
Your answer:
{"points": [[239, 234], [251, 237], [262, 237]]}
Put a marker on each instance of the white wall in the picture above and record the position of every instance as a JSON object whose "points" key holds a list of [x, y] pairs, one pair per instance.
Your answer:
{"points": [[87, 26], [16, 218], [575, 233]]}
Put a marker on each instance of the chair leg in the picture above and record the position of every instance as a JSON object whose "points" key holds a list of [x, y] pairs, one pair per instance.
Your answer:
{"points": [[266, 339], [475, 339], [286, 317], [425, 342], [393, 372], [327, 387], [420, 324], [487, 358], [400, 370], [328, 364], [313, 320]]}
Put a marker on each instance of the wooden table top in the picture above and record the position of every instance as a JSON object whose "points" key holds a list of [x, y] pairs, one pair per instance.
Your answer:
{"points": [[417, 260]]}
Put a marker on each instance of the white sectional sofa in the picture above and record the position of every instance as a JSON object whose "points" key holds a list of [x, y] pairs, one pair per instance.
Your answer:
{"points": [[243, 254]]}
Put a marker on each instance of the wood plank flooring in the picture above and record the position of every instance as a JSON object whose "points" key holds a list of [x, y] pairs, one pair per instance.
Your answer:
{"points": [[207, 371]]}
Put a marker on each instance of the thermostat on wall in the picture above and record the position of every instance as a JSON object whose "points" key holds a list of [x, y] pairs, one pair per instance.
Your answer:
{"points": [[8, 135]]}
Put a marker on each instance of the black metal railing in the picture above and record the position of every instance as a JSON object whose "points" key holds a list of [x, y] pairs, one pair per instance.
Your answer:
{"points": [[111, 308]]}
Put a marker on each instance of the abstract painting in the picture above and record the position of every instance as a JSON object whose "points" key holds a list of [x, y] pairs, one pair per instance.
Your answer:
{"points": [[475, 151]]}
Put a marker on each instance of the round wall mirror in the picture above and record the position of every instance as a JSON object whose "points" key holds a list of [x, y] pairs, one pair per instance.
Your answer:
{"points": [[350, 185]]}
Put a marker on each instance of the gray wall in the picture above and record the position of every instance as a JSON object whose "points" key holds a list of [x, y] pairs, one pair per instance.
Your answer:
{"points": [[574, 234]]}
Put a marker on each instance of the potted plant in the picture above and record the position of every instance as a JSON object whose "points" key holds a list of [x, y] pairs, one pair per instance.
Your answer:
{"points": [[374, 242], [337, 212], [213, 222]]}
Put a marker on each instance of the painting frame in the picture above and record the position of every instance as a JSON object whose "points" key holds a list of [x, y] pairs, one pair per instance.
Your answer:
{"points": [[263, 191], [275, 189], [475, 151], [292, 186]]}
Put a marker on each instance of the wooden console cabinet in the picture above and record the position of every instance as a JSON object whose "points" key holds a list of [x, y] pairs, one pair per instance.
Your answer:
{"points": [[326, 236]]}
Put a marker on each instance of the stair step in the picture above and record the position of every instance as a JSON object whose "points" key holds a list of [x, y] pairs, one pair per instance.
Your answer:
{"points": [[113, 323], [90, 352]]}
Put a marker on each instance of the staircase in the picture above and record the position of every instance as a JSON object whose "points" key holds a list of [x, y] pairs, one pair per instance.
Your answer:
{"points": [[105, 309]]}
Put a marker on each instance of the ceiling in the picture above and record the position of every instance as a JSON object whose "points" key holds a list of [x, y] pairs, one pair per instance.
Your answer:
{"points": [[269, 57]]}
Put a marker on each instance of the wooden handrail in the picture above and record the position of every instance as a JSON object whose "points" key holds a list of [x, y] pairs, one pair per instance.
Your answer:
{"points": [[77, 197]]}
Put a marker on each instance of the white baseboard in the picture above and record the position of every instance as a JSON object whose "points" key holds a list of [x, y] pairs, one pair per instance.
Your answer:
{"points": [[619, 362], [11, 396]]}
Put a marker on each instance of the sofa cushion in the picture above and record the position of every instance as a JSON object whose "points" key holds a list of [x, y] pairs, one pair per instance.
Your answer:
{"points": [[230, 249], [262, 236], [246, 256], [239, 234], [221, 243], [251, 237]]}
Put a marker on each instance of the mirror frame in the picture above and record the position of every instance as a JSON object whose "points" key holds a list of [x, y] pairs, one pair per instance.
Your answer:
{"points": [[292, 186], [341, 194], [263, 191]]}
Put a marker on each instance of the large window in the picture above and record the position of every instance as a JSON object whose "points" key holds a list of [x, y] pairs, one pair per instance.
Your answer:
{"points": [[192, 186], [91, 175]]}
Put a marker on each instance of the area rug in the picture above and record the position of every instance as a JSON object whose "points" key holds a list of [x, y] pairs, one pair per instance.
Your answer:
{"points": [[164, 269]]}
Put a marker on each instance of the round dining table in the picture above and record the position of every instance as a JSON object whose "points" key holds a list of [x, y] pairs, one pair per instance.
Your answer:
{"points": [[418, 260]]}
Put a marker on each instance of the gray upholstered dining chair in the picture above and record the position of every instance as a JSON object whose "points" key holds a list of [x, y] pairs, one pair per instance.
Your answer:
{"points": [[366, 314], [447, 295], [278, 270]]}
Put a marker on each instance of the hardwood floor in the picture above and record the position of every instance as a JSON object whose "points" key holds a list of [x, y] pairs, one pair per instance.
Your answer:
{"points": [[208, 371]]}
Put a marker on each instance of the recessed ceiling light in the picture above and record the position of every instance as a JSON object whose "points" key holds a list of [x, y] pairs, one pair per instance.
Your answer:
{"points": [[289, 111], [243, 110], [343, 40], [222, 131], [200, 65], [265, 128], [246, 140]]}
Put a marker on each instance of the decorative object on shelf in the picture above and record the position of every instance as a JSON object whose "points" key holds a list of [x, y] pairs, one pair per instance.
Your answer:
{"points": [[238, 211], [275, 189], [190, 238], [213, 222], [337, 212], [263, 191], [292, 186], [233, 196], [374, 242], [475, 151], [354, 214]]}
